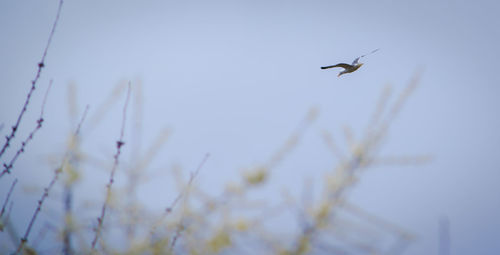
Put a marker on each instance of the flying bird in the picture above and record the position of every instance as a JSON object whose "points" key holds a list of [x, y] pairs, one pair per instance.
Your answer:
{"points": [[349, 68]]}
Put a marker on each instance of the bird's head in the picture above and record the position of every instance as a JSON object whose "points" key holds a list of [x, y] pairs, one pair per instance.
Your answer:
{"points": [[356, 67]]}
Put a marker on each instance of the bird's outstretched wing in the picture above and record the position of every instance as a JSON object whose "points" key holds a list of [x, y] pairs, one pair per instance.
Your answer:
{"points": [[343, 65], [373, 51], [355, 62]]}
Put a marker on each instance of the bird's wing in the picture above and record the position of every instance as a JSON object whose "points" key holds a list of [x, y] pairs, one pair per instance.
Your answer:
{"points": [[373, 51], [355, 62], [343, 65]]}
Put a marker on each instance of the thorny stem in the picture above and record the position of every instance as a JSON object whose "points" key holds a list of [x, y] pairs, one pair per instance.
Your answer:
{"points": [[41, 64], [119, 145]]}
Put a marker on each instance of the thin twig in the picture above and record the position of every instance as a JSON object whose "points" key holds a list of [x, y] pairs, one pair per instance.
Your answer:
{"points": [[180, 226], [178, 233], [119, 145], [77, 132], [24, 239], [191, 178], [57, 172], [68, 192], [8, 167], [10, 230], [41, 64], [171, 207], [7, 198]]}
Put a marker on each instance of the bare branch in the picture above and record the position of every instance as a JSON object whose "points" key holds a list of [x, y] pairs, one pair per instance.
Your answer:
{"points": [[57, 172], [8, 167], [7, 198], [41, 64], [171, 207], [191, 178], [24, 239], [68, 194], [119, 145], [77, 132]]}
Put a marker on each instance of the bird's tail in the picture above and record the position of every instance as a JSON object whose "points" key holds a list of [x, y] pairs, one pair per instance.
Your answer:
{"points": [[326, 67]]}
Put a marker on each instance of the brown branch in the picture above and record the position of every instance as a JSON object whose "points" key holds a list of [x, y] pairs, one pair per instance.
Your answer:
{"points": [[41, 65], [8, 167], [119, 145]]}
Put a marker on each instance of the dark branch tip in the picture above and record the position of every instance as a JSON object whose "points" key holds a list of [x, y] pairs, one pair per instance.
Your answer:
{"points": [[119, 144]]}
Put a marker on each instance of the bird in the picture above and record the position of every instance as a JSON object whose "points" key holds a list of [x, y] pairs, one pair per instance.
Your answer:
{"points": [[349, 68]]}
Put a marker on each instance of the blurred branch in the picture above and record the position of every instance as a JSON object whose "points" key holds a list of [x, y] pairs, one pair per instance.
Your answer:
{"points": [[171, 207], [333, 146], [6, 201], [294, 138], [106, 105], [379, 110], [444, 236], [69, 160]]}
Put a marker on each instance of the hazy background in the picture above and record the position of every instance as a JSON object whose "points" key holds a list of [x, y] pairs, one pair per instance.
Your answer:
{"points": [[234, 78]]}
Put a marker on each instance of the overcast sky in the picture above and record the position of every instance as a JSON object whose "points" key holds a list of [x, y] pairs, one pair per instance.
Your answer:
{"points": [[234, 78]]}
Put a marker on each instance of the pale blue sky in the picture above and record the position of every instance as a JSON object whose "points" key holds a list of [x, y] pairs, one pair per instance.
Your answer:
{"points": [[234, 78]]}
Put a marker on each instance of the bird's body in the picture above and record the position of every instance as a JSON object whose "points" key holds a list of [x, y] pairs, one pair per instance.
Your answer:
{"points": [[349, 68]]}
